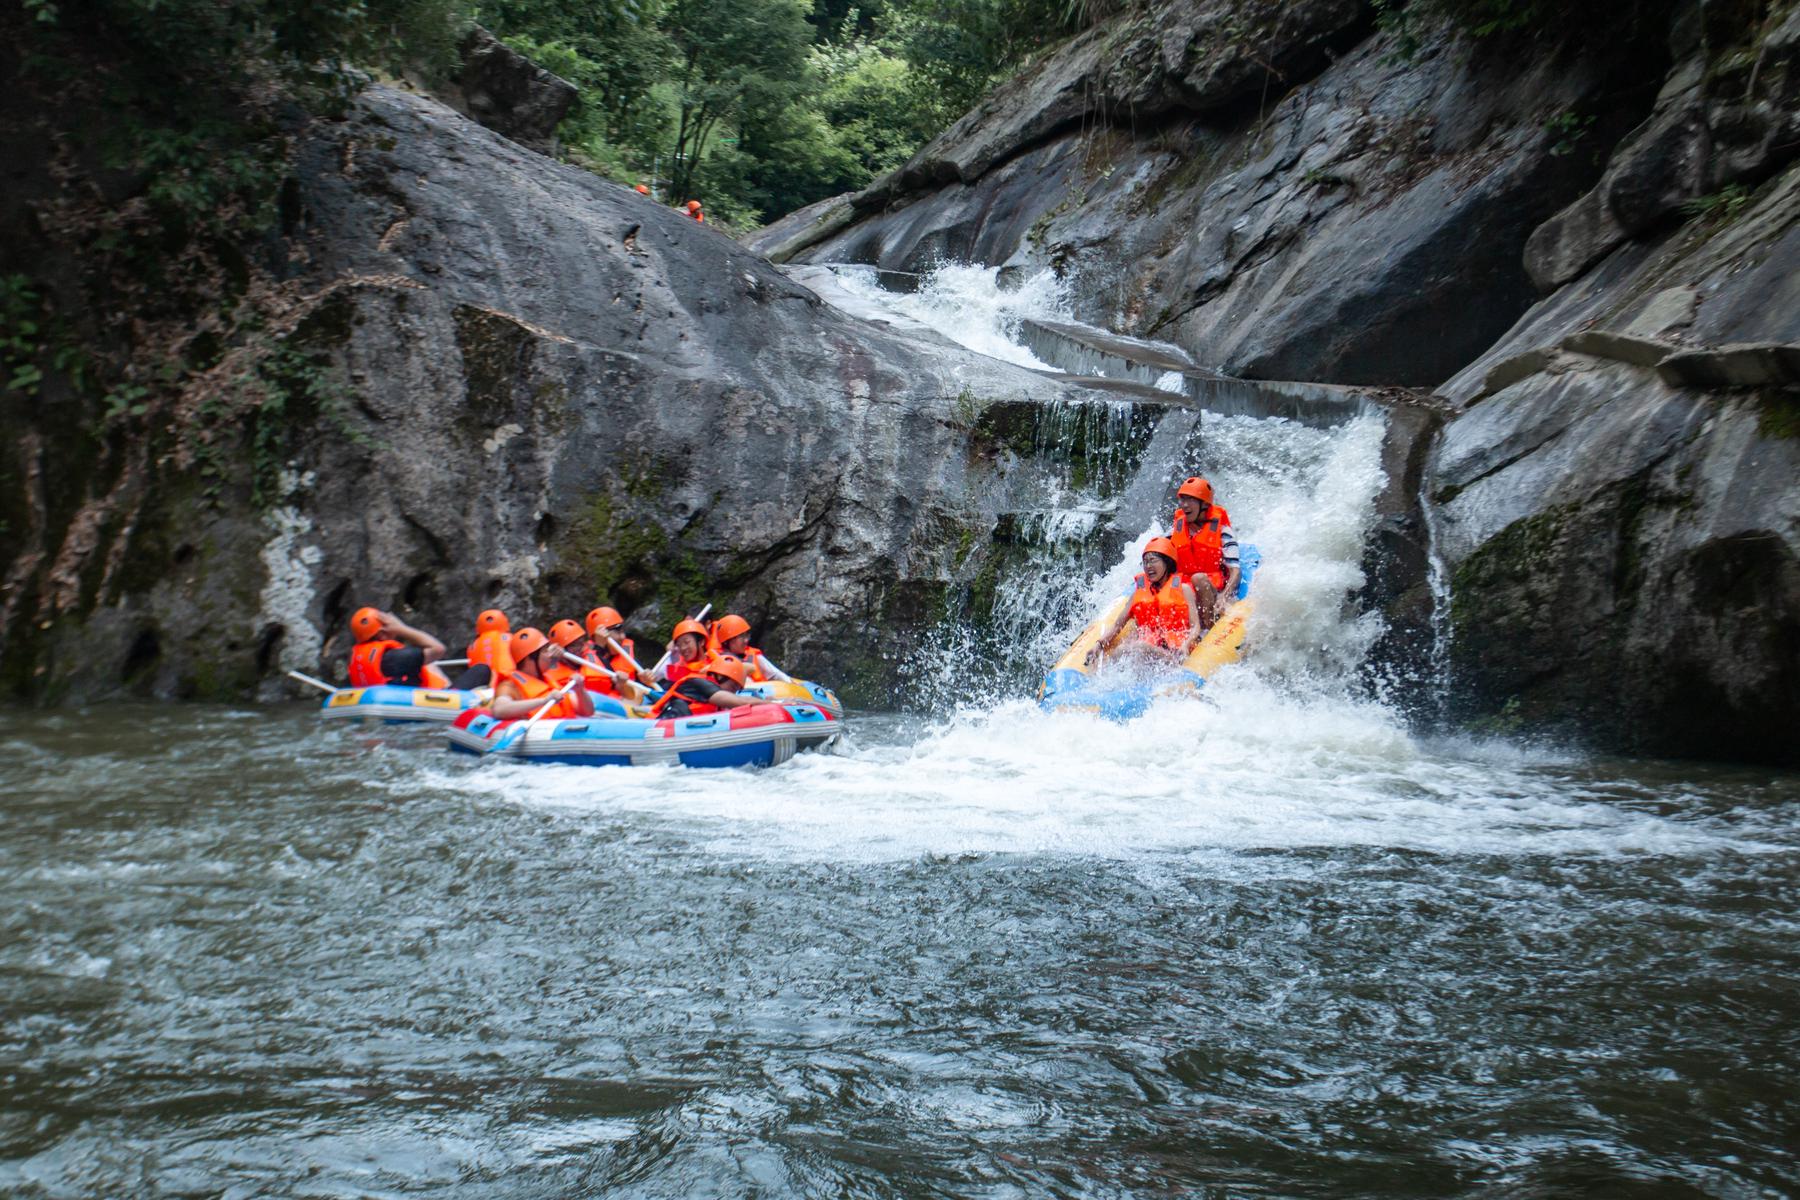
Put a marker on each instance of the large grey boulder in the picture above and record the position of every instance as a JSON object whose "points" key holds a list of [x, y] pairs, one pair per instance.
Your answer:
{"points": [[509, 93], [1621, 515], [1364, 224], [1728, 116], [541, 391]]}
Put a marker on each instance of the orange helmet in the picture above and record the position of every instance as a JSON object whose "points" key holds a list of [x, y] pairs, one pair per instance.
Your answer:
{"points": [[688, 625], [729, 626], [1164, 547], [692, 205], [603, 618], [729, 667], [525, 643], [1196, 487], [365, 623], [642, 190], [566, 633], [492, 621]]}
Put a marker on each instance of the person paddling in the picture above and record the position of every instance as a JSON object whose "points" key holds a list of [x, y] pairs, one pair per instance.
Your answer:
{"points": [[489, 656], [389, 651], [606, 628], [730, 634], [1206, 550], [712, 687], [572, 639], [1167, 615], [522, 692], [687, 651]]}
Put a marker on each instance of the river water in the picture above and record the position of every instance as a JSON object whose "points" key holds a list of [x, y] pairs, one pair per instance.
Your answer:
{"points": [[1270, 943]]}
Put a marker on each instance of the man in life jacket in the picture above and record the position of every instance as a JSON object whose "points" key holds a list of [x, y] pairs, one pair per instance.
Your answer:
{"points": [[730, 634], [693, 210], [390, 651], [520, 694], [606, 630], [1206, 551], [710, 688], [1167, 616], [687, 651], [569, 637], [489, 653]]}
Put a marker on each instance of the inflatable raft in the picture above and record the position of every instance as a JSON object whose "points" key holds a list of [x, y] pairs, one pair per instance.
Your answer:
{"points": [[762, 735], [1071, 684], [400, 705]]}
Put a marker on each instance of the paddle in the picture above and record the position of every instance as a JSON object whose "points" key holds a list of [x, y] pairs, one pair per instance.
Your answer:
{"points": [[774, 670], [518, 733], [310, 681], [588, 662]]}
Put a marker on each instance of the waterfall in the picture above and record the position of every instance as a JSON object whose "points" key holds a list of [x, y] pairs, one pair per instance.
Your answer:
{"points": [[1297, 465]]}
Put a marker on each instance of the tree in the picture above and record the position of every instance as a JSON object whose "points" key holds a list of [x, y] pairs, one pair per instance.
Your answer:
{"points": [[732, 56]]}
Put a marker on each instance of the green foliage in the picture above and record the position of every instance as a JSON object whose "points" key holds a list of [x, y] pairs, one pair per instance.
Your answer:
{"points": [[758, 107], [1721, 205], [21, 329], [1566, 130]]}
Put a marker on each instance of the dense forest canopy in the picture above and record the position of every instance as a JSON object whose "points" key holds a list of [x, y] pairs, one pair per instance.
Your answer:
{"points": [[757, 106], [761, 106]]}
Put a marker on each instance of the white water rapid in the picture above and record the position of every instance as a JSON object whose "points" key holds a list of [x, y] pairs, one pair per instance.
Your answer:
{"points": [[1285, 751]]}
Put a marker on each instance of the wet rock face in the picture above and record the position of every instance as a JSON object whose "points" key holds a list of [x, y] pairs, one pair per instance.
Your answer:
{"points": [[509, 93], [1720, 122], [1620, 499], [1278, 214], [556, 393]]}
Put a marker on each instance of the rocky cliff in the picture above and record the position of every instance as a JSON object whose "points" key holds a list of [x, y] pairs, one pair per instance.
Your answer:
{"points": [[1584, 244], [481, 377]]}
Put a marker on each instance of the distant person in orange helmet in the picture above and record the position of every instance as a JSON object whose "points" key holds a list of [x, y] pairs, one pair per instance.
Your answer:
{"points": [[1206, 550], [693, 210], [606, 629], [574, 640], [714, 686], [522, 692], [642, 190], [687, 651], [569, 637], [489, 652], [389, 651], [730, 634], [1167, 616]]}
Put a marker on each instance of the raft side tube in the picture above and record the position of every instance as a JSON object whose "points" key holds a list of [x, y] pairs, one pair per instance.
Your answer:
{"points": [[1068, 684], [763, 735]]}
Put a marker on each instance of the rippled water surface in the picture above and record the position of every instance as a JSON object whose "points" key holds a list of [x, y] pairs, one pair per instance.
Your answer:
{"points": [[992, 955], [1266, 943]]}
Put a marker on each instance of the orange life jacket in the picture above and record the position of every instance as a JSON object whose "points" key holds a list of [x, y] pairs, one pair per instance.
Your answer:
{"points": [[696, 708], [1199, 548], [493, 650], [678, 670], [365, 666], [751, 659], [365, 662], [538, 689], [1161, 613], [617, 662], [598, 682]]}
